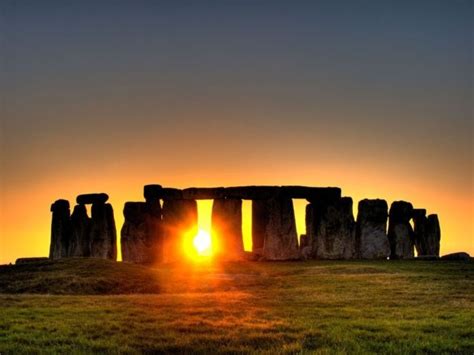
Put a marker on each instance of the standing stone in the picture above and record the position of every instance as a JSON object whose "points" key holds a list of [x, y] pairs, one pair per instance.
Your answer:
{"points": [[433, 235], [60, 229], [274, 220], [80, 243], [331, 228], [400, 232], [304, 242], [227, 228], [371, 237], [259, 221], [141, 232], [419, 231], [305, 247], [179, 222], [103, 234]]}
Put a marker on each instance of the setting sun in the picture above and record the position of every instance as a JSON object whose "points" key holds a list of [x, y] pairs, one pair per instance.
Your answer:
{"points": [[202, 243]]}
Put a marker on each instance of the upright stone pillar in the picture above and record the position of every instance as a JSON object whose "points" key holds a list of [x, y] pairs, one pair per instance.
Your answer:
{"points": [[227, 228], [400, 232], [275, 220], [141, 237], [259, 221], [103, 234], [179, 221], [60, 229], [80, 243], [371, 236], [433, 235], [419, 231], [331, 228]]}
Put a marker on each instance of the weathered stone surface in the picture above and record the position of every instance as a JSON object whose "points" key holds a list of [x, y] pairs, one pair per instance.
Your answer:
{"points": [[305, 247], [60, 229], [227, 228], [400, 232], [152, 192], [259, 222], [461, 256], [103, 234], [179, 221], [331, 229], [275, 221], [85, 199], [371, 237], [304, 241], [80, 243], [141, 237], [22, 261], [433, 235], [204, 193]]}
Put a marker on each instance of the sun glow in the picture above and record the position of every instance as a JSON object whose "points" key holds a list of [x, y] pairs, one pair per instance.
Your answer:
{"points": [[202, 243]]}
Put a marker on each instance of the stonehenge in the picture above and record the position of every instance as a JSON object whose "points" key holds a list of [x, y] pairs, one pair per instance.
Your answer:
{"points": [[163, 226]]}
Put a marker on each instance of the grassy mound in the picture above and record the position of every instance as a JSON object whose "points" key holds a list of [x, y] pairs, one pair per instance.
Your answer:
{"points": [[74, 276], [354, 307]]}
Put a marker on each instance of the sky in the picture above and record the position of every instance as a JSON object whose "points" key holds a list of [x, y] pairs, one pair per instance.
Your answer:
{"points": [[106, 96]]}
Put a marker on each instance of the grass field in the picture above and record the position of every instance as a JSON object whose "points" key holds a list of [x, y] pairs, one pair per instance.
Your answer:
{"points": [[83, 306]]}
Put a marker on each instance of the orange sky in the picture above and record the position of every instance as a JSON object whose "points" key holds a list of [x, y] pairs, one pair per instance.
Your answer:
{"points": [[26, 220]]}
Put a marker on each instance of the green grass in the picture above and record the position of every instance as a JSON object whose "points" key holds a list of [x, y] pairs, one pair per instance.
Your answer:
{"points": [[83, 306]]}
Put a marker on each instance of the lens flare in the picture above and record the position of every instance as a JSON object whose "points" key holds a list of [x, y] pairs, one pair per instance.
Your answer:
{"points": [[202, 243]]}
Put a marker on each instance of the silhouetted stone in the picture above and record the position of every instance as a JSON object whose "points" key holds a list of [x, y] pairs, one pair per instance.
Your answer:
{"points": [[60, 229], [179, 222], [141, 237], [172, 194], [227, 228], [204, 193], [433, 235], [259, 222], [304, 241], [80, 242], [252, 192], [97, 198], [103, 234], [315, 194], [461, 256], [274, 220], [371, 237], [332, 229], [22, 261], [153, 192], [400, 232]]}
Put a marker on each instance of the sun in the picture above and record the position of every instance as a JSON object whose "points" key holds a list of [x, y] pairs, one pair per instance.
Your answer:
{"points": [[202, 243]]}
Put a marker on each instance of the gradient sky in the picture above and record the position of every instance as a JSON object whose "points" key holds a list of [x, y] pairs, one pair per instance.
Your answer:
{"points": [[372, 96]]}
